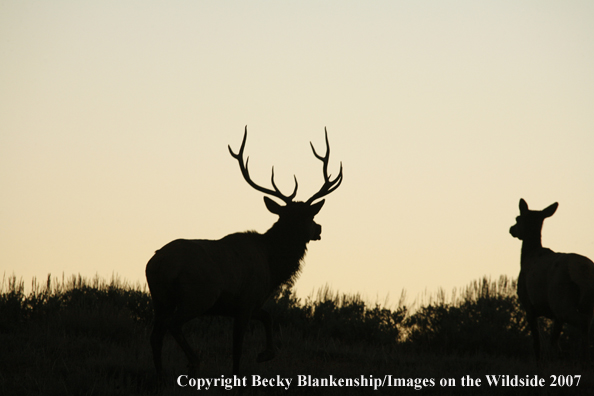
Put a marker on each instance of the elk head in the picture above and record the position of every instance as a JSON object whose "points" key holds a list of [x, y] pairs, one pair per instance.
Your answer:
{"points": [[529, 222], [297, 216]]}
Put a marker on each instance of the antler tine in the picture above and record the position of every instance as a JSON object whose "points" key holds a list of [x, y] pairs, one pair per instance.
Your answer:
{"points": [[246, 174], [329, 185], [290, 197]]}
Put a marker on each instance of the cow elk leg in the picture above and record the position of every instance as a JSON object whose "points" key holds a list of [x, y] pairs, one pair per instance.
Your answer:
{"points": [[555, 334], [533, 323]]}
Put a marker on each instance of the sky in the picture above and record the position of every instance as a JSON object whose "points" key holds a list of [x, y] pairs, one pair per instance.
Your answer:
{"points": [[115, 118]]}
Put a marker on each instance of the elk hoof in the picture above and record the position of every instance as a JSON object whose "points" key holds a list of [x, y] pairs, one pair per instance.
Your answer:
{"points": [[265, 356]]}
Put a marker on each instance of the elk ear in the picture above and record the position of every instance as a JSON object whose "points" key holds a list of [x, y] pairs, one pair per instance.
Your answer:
{"points": [[272, 206], [315, 208], [549, 211], [523, 206]]}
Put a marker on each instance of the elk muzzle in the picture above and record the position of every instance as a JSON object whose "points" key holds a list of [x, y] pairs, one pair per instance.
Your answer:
{"points": [[315, 233], [513, 230]]}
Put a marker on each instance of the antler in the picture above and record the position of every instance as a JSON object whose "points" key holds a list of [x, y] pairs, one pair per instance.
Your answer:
{"points": [[246, 175], [329, 185]]}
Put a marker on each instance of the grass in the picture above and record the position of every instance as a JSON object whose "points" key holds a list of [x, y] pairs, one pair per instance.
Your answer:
{"points": [[90, 337]]}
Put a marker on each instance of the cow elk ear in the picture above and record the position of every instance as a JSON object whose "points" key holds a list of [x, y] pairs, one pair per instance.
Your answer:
{"points": [[549, 211], [272, 206], [523, 206]]}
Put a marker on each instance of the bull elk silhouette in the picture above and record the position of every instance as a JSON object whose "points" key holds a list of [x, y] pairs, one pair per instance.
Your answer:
{"points": [[559, 286], [235, 275]]}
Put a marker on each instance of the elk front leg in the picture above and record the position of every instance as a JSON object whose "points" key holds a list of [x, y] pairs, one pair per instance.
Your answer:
{"points": [[555, 334], [269, 353], [239, 326], [533, 323]]}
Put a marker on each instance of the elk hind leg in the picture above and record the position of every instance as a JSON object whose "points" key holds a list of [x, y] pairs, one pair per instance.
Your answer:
{"points": [[589, 336], [175, 328], [583, 325], [157, 335], [163, 313], [270, 352], [574, 316]]}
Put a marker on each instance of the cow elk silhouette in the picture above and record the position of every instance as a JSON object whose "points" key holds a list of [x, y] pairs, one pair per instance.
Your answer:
{"points": [[235, 275], [559, 286]]}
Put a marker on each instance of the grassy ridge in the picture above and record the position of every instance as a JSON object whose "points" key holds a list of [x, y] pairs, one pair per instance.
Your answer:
{"points": [[84, 337]]}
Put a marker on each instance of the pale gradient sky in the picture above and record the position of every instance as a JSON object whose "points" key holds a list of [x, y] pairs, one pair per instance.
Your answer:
{"points": [[115, 118]]}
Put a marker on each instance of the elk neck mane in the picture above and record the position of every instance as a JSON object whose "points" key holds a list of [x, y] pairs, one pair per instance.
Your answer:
{"points": [[285, 254]]}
